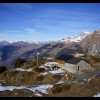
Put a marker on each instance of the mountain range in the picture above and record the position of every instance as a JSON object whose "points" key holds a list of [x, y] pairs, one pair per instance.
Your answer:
{"points": [[86, 43], [76, 38]]}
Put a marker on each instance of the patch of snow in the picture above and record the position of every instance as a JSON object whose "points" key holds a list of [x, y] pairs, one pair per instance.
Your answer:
{"points": [[22, 70], [50, 64], [97, 95], [41, 88], [42, 67], [45, 73], [49, 58], [90, 79], [37, 94], [57, 71], [11, 88], [76, 38], [60, 82]]}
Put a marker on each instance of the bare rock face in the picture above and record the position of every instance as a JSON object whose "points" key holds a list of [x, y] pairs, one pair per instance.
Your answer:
{"points": [[91, 44]]}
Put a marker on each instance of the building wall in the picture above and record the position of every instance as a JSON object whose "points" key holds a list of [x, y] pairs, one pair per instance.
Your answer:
{"points": [[70, 68], [81, 65]]}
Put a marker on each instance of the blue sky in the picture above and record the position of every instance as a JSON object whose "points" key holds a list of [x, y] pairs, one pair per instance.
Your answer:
{"points": [[46, 21]]}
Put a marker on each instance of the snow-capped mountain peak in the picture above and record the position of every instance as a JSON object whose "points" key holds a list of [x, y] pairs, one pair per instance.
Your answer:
{"points": [[85, 33], [76, 38]]}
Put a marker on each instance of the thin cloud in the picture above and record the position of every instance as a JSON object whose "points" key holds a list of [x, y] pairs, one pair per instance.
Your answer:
{"points": [[31, 31], [3, 37], [64, 25], [26, 31], [14, 31]]}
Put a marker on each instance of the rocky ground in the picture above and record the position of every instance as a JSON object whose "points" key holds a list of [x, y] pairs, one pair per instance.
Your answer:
{"points": [[30, 81], [69, 89]]}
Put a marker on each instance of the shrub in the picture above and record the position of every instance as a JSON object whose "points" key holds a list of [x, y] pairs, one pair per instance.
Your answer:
{"points": [[57, 76], [60, 88], [57, 90], [40, 78], [66, 87], [95, 82]]}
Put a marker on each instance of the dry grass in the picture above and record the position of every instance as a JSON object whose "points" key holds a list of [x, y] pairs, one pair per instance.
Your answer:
{"points": [[70, 90], [50, 79], [95, 82], [39, 78], [13, 77], [58, 77], [58, 88], [17, 93], [69, 75]]}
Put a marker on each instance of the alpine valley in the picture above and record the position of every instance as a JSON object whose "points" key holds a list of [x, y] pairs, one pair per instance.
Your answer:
{"points": [[86, 43]]}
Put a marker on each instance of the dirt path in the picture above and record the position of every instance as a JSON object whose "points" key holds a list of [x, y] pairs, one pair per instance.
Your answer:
{"points": [[87, 76]]}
